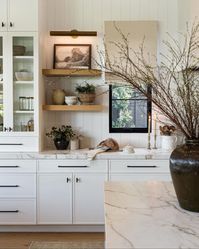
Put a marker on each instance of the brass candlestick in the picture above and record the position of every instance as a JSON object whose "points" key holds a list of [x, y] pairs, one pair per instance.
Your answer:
{"points": [[155, 142]]}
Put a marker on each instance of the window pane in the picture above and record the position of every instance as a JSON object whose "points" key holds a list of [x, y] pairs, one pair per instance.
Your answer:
{"points": [[126, 92], [129, 114]]}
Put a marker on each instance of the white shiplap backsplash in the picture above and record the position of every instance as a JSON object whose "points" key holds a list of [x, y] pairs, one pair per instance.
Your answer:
{"points": [[90, 15]]}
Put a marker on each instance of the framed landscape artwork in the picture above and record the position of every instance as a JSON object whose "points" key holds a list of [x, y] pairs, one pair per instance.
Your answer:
{"points": [[72, 56]]}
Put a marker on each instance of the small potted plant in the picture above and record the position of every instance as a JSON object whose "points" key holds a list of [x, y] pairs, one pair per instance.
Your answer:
{"points": [[61, 136], [168, 139], [86, 93]]}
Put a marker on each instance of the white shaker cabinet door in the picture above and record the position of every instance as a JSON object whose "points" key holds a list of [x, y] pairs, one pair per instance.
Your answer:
{"points": [[54, 201], [22, 15], [3, 15], [89, 198]]}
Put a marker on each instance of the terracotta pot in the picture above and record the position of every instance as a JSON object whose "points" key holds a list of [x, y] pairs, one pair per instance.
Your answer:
{"points": [[184, 167], [86, 98], [58, 96]]}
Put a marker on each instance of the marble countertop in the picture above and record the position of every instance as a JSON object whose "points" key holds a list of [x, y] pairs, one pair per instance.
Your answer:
{"points": [[147, 215], [140, 153]]}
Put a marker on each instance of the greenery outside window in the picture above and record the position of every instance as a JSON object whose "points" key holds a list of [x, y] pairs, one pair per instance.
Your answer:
{"points": [[128, 110]]}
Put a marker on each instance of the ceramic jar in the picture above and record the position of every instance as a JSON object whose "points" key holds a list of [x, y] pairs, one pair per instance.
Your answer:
{"points": [[74, 144], [58, 96], [184, 167], [168, 143]]}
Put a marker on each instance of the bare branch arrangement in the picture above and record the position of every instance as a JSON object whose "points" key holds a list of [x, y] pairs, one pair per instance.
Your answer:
{"points": [[174, 82]]}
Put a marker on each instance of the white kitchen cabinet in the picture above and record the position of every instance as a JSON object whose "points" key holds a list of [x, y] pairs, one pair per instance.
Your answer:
{"points": [[17, 211], [18, 192], [139, 170], [3, 15], [140, 177], [71, 191], [89, 198], [54, 199], [18, 15], [18, 119]]}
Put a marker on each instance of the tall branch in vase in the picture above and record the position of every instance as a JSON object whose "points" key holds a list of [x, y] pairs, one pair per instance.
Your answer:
{"points": [[174, 81]]}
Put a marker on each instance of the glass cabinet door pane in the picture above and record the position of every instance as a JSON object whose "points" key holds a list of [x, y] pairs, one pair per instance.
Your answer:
{"points": [[23, 83], [1, 84]]}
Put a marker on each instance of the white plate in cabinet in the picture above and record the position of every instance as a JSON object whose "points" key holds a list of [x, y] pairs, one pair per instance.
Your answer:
{"points": [[17, 212], [140, 166], [140, 177], [17, 185], [89, 198], [18, 166], [54, 199], [72, 166]]}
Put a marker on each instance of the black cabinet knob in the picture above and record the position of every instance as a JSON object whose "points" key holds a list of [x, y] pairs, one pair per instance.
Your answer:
{"points": [[68, 180], [78, 180]]}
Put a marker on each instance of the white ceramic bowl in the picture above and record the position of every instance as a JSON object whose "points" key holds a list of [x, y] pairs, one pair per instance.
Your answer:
{"points": [[24, 76], [71, 100]]}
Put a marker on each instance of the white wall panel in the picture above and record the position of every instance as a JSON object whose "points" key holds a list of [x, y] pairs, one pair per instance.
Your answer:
{"points": [[90, 15]]}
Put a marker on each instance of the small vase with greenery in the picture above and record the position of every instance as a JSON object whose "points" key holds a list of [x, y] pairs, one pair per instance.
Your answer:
{"points": [[86, 93], [61, 136]]}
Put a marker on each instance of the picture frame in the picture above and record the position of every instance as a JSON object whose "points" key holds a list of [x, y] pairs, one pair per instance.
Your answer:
{"points": [[72, 56]]}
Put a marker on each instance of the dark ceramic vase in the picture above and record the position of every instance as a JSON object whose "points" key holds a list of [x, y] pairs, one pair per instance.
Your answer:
{"points": [[184, 167], [61, 144]]}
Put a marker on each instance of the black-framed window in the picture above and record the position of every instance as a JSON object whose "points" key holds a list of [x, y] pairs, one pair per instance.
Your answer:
{"points": [[128, 110]]}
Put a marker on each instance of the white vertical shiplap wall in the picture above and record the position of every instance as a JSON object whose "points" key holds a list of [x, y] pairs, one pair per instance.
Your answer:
{"points": [[90, 15]]}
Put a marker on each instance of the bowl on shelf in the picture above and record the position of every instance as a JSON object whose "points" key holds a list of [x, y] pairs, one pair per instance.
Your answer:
{"points": [[24, 76], [71, 100], [19, 50]]}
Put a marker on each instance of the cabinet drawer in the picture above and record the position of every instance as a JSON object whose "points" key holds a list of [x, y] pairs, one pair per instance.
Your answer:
{"points": [[17, 166], [140, 177], [17, 185], [20, 144], [17, 212], [72, 165], [139, 166]]}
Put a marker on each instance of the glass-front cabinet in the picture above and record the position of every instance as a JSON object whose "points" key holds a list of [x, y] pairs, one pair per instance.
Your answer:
{"points": [[18, 82]]}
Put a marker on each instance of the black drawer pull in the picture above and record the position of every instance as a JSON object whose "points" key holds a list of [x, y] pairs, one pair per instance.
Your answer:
{"points": [[11, 144], [15, 166], [143, 166], [9, 186], [62, 166], [9, 211]]}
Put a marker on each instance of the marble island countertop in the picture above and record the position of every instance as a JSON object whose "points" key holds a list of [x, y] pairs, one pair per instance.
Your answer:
{"points": [[140, 153], [147, 215]]}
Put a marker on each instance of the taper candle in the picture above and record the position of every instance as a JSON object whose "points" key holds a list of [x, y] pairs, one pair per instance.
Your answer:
{"points": [[155, 132], [149, 132]]}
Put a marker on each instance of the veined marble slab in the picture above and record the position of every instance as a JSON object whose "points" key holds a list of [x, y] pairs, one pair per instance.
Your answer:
{"points": [[140, 154], [147, 215]]}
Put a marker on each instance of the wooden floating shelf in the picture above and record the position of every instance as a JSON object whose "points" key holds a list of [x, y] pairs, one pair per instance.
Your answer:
{"points": [[72, 72], [75, 108]]}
